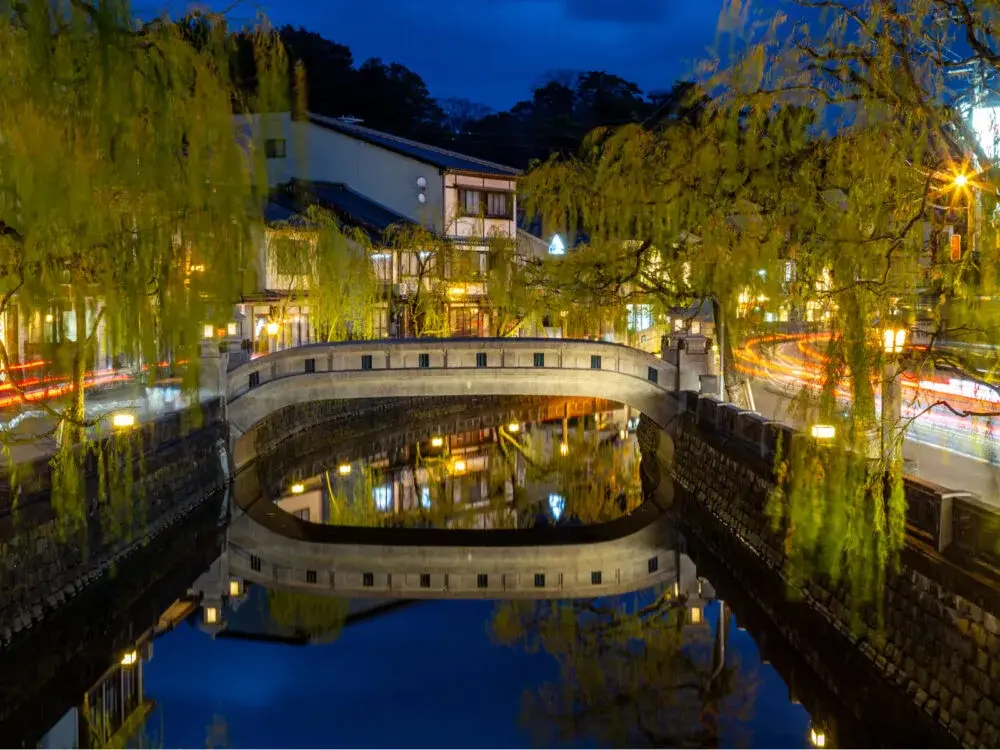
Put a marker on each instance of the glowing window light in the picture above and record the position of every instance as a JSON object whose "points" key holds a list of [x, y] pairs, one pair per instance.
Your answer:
{"points": [[514, 427], [231, 329], [563, 449], [817, 737], [209, 331], [437, 442], [425, 497], [695, 615], [557, 504], [234, 587], [459, 466], [129, 658], [211, 615], [382, 497], [272, 329], [298, 488], [344, 469]]}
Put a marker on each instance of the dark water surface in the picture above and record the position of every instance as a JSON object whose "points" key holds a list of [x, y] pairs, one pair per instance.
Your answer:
{"points": [[237, 664]]}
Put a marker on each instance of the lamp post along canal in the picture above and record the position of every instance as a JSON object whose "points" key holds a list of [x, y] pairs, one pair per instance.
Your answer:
{"points": [[893, 341]]}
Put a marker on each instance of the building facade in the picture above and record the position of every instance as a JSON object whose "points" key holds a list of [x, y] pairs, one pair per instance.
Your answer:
{"points": [[381, 184]]}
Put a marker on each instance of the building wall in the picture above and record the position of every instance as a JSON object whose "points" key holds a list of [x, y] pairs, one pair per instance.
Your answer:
{"points": [[379, 174], [470, 226]]}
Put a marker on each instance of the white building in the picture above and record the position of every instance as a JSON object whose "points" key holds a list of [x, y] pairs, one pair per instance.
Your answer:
{"points": [[374, 180]]}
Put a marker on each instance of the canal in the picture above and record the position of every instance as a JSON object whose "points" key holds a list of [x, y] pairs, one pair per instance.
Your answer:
{"points": [[175, 650]]}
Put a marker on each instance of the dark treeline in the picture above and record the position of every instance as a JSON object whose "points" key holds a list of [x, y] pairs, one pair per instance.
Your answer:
{"points": [[563, 106]]}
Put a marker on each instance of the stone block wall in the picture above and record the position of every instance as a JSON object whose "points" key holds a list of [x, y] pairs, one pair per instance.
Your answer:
{"points": [[934, 661], [45, 559]]}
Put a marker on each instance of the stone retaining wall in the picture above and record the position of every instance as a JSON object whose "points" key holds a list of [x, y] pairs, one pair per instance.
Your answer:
{"points": [[45, 559], [938, 648]]}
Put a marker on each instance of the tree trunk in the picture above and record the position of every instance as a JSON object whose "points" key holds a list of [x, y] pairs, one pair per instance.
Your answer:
{"points": [[736, 384], [75, 432]]}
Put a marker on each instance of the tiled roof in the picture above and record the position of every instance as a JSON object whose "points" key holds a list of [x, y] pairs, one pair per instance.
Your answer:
{"points": [[437, 157], [354, 208], [279, 213]]}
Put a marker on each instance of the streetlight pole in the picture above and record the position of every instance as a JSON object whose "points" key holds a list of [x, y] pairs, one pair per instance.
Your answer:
{"points": [[893, 340]]}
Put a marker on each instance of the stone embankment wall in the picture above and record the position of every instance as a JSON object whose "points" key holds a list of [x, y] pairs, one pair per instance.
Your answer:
{"points": [[46, 672], [45, 558], [930, 673]]}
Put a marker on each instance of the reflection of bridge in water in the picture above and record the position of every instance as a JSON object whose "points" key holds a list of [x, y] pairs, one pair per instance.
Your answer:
{"points": [[270, 546]]}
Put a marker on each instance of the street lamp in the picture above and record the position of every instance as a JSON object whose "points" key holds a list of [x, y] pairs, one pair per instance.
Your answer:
{"points": [[893, 341], [823, 432], [960, 180]]}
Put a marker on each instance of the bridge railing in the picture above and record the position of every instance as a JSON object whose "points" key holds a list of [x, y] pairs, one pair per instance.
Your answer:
{"points": [[453, 354]]}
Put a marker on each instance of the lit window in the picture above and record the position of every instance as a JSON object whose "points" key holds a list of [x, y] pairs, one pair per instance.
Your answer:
{"points": [[557, 504], [211, 615], [640, 317], [382, 496], [497, 205], [425, 497], [234, 587], [470, 201], [695, 615]]}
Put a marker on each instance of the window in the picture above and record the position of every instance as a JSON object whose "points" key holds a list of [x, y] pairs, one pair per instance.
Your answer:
{"points": [[595, 578], [653, 375], [368, 580], [254, 379], [382, 263], [310, 576], [302, 514], [425, 360], [539, 359], [255, 563], [310, 365], [366, 361], [498, 205], [480, 359], [469, 202], [654, 564], [425, 580], [640, 317], [382, 497], [595, 361], [274, 148], [464, 321], [539, 580], [482, 580]]}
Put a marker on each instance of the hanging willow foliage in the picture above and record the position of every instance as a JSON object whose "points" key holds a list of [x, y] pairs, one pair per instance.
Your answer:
{"points": [[833, 151], [126, 201]]}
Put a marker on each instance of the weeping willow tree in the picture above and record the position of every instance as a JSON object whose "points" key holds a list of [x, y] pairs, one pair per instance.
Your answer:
{"points": [[329, 266], [818, 178], [314, 615], [632, 671], [126, 199]]}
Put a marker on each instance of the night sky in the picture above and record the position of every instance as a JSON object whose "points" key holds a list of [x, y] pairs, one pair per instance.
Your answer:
{"points": [[494, 51]]}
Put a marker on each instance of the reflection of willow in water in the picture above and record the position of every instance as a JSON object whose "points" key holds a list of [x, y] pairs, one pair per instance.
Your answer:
{"points": [[313, 615], [587, 476], [628, 675]]}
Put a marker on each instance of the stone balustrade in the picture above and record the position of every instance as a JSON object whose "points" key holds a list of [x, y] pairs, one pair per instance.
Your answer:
{"points": [[455, 367]]}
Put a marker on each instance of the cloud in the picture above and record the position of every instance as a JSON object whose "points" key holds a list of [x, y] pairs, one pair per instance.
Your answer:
{"points": [[618, 11]]}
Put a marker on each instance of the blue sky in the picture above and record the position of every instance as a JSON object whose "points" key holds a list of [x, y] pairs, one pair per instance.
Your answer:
{"points": [[493, 51]]}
